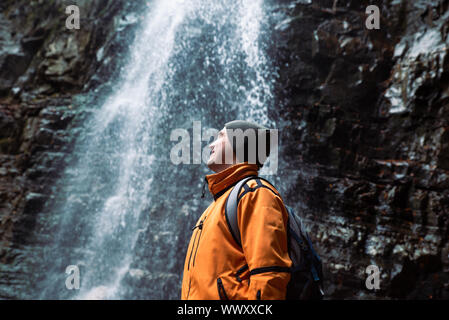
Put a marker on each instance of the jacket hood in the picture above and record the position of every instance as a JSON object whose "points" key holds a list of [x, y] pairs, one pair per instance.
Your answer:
{"points": [[219, 182]]}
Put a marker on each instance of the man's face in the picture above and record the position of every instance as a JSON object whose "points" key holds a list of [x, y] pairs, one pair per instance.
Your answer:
{"points": [[222, 155]]}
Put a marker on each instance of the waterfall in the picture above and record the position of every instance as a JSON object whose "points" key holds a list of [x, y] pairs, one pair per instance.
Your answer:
{"points": [[190, 60]]}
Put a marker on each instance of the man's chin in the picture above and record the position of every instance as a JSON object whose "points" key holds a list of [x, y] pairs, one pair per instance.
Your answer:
{"points": [[212, 165]]}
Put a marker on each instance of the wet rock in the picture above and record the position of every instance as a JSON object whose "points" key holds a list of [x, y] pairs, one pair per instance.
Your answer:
{"points": [[8, 125], [12, 66], [42, 64], [372, 139], [34, 202]]}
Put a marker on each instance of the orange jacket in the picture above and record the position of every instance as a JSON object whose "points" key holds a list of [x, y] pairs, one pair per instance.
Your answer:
{"points": [[216, 267]]}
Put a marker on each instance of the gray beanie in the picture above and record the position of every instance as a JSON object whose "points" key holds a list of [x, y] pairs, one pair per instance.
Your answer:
{"points": [[237, 143]]}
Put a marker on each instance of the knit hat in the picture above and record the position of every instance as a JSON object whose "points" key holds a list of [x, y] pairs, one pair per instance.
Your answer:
{"points": [[241, 146]]}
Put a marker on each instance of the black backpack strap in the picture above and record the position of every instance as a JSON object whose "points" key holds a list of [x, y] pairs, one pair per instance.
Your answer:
{"points": [[233, 200], [231, 210]]}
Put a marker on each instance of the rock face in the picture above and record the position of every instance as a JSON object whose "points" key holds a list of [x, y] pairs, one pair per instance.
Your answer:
{"points": [[43, 65], [364, 135], [366, 129]]}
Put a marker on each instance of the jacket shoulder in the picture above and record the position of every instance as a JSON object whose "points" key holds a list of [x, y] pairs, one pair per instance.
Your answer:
{"points": [[257, 185]]}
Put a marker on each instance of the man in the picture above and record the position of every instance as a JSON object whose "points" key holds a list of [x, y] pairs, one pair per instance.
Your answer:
{"points": [[216, 267]]}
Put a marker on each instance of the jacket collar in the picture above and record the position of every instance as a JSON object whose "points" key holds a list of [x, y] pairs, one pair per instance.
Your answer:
{"points": [[221, 181]]}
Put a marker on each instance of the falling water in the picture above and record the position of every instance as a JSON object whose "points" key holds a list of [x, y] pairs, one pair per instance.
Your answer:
{"points": [[190, 60]]}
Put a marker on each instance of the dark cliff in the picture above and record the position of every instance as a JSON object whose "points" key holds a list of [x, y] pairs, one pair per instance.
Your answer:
{"points": [[367, 133]]}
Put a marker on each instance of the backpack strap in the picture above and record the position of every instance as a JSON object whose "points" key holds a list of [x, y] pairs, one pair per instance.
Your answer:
{"points": [[232, 203], [231, 210]]}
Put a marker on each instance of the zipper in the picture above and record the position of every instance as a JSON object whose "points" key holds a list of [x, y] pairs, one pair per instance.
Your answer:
{"points": [[197, 235], [221, 291], [197, 232], [200, 226], [191, 251]]}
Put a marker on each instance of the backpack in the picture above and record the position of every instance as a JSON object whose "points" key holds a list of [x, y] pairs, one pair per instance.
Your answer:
{"points": [[306, 271]]}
